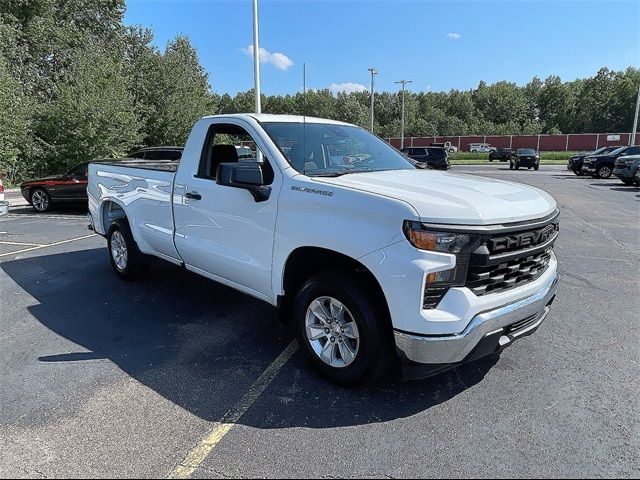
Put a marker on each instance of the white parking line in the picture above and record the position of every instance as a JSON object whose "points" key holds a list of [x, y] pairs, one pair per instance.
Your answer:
{"points": [[200, 452], [47, 245], [21, 243]]}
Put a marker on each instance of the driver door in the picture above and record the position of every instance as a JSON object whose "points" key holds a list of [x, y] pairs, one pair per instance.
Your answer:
{"points": [[222, 232]]}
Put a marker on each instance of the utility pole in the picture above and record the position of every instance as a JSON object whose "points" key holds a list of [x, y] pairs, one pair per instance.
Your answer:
{"points": [[635, 120], [256, 58], [403, 83], [373, 73]]}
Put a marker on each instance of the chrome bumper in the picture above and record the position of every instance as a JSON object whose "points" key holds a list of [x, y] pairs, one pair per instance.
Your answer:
{"points": [[450, 349], [4, 208]]}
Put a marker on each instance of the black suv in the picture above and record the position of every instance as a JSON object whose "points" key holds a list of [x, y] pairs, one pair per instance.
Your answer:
{"points": [[601, 166], [575, 162], [524, 157], [435, 157], [502, 154], [158, 153]]}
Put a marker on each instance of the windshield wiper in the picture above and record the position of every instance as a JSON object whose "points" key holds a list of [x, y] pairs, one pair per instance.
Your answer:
{"points": [[330, 174]]}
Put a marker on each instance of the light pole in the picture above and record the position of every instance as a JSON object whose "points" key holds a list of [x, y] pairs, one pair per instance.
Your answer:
{"points": [[635, 120], [256, 58], [403, 83], [373, 73]]}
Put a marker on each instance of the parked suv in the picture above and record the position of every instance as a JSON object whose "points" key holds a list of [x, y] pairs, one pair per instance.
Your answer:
{"points": [[525, 157], [575, 162], [481, 147], [435, 157], [602, 166], [626, 168], [158, 153], [502, 154], [448, 146]]}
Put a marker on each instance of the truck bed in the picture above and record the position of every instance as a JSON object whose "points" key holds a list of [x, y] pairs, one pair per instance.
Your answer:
{"points": [[160, 165]]}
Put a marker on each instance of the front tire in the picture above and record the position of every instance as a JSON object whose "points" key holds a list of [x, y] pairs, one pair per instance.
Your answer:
{"points": [[510, 165], [127, 261], [40, 200], [627, 181], [536, 167], [343, 329], [604, 172]]}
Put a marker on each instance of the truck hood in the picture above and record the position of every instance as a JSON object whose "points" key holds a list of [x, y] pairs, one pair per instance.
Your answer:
{"points": [[452, 198]]}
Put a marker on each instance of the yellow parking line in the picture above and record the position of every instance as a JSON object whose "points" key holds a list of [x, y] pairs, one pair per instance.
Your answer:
{"points": [[47, 245], [200, 452]]}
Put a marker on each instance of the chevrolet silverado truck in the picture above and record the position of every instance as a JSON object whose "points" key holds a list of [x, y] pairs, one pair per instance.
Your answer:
{"points": [[376, 262]]}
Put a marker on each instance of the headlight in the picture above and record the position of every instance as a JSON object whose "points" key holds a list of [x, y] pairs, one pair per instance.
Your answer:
{"points": [[444, 242], [459, 244]]}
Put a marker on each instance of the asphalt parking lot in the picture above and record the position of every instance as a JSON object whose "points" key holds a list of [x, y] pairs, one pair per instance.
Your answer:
{"points": [[101, 378]]}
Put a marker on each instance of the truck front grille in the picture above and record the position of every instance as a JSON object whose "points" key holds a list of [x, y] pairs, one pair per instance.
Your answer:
{"points": [[511, 259], [510, 274]]}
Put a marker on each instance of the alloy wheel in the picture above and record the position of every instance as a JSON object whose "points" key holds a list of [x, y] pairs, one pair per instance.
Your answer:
{"points": [[40, 200], [119, 251], [332, 332]]}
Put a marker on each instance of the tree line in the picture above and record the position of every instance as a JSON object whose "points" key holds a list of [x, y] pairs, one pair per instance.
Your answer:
{"points": [[77, 84]]}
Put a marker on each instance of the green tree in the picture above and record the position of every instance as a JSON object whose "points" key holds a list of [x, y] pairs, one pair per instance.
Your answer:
{"points": [[180, 94], [14, 127], [91, 114]]}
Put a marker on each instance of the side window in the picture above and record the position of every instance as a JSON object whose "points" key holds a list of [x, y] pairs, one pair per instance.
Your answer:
{"points": [[227, 143], [163, 155], [137, 155], [81, 170], [633, 151]]}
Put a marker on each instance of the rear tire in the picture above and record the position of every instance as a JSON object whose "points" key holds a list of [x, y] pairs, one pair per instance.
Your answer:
{"points": [[510, 166], [40, 200], [325, 311], [627, 181], [125, 257], [536, 167]]}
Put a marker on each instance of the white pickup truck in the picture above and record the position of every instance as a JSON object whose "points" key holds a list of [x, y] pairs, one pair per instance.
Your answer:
{"points": [[373, 259]]}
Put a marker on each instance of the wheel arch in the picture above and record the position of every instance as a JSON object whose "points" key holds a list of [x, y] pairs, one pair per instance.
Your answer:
{"points": [[110, 210], [305, 262]]}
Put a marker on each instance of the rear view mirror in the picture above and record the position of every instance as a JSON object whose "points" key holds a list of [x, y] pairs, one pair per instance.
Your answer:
{"points": [[245, 175]]}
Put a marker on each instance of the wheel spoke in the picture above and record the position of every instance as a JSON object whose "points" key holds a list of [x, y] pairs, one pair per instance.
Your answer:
{"points": [[346, 352], [316, 332], [328, 353], [351, 331], [320, 312], [337, 309]]}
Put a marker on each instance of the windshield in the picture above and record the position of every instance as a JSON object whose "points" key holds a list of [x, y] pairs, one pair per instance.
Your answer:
{"points": [[618, 151], [526, 151], [318, 149]]}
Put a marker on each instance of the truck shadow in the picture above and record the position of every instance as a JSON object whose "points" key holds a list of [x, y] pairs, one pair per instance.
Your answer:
{"points": [[201, 345]]}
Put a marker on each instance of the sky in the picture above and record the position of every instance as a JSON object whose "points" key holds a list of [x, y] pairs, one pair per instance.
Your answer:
{"points": [[439, 45]]}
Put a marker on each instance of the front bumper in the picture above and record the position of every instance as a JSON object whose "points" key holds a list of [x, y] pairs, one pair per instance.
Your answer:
{"points": [[4, 208], [488, 332], [588, 169]]}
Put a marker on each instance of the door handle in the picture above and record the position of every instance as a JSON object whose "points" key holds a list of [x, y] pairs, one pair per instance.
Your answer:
{"points": [[193, 195]]}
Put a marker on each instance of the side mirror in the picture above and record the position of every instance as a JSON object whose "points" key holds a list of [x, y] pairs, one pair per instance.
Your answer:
{"points": [[245, 175]]}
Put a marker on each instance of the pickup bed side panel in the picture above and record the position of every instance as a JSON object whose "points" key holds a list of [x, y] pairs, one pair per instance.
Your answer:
{"points": [[145, 197]]}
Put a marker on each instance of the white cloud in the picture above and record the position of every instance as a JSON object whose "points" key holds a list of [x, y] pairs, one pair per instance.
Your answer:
{"points": [[347, 87], [277, 59], [454, 36]]}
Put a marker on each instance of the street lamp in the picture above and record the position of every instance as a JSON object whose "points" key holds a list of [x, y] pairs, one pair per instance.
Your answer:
{"points": [[635, 120], [256, 58], [373, 73], [403, 83]]}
